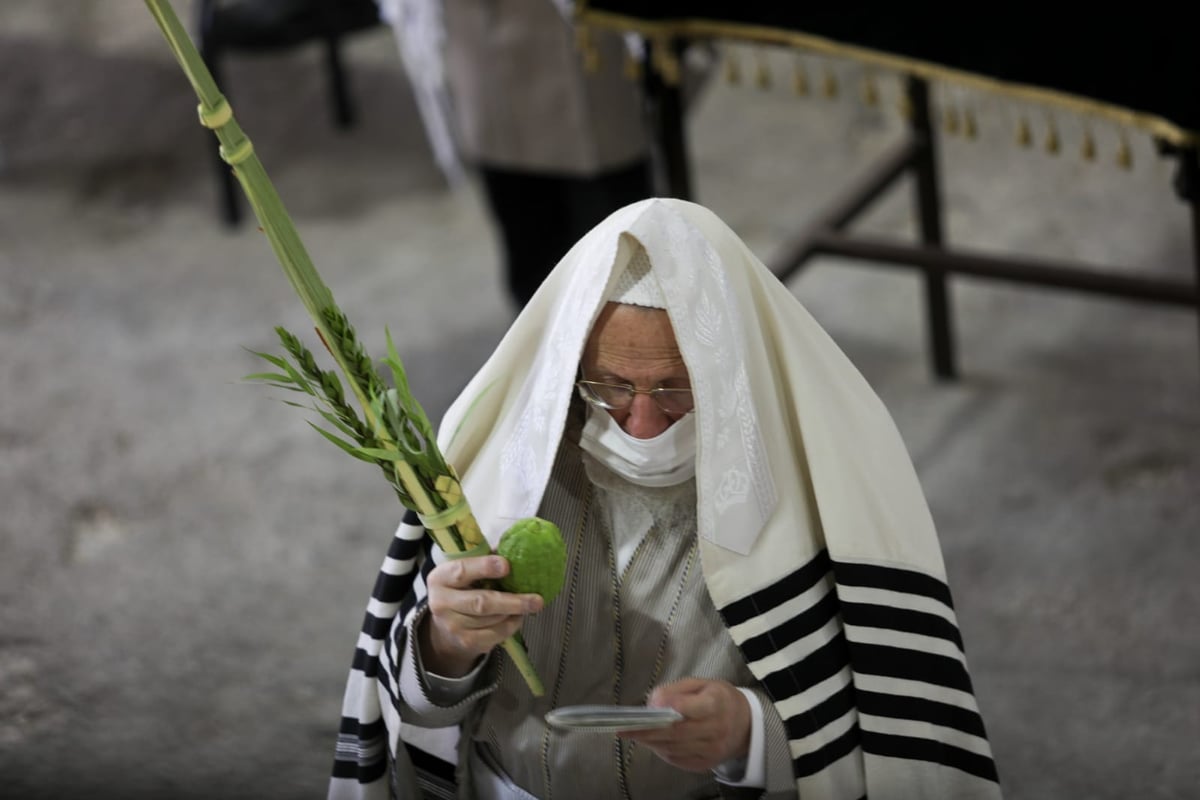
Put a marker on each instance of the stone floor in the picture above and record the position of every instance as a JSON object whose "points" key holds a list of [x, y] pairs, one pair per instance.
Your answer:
{"points": [[184, 563]]}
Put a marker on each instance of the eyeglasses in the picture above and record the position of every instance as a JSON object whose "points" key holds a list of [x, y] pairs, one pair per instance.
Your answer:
{"points": [[618, 396]]}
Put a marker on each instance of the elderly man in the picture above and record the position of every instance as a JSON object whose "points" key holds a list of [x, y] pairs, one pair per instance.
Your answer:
{"points": [[747, 545]]}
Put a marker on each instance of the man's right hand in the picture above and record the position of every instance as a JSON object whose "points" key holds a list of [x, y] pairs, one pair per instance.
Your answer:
{"points": [[465, 621]]}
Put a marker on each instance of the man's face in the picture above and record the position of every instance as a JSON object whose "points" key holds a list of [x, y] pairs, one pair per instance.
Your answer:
{"points": [[636, 345]]}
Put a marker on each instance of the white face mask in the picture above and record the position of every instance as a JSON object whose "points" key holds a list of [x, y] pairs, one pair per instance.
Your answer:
{"points": [[666, 460]]}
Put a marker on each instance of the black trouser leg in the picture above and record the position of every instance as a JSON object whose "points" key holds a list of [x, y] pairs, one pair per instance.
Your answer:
{"points": [[591, 200], [532, 220], [540, 216]]}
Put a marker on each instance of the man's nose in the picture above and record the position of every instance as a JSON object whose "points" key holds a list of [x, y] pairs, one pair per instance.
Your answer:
{"points": [[645, 419]]}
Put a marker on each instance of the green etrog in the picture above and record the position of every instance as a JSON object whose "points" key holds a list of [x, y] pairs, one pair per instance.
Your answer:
{"points": [[537, 556]]}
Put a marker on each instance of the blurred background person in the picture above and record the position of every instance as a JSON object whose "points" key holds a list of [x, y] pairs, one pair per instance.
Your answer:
{"points": [[504, 92]]}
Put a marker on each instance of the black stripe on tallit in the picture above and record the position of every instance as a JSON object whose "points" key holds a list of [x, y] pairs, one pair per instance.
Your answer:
{"points": [[350, 726], [906, 620], [391, 588], [427, 564], [824, 662], [432, 767], [435, 777], [355, 769], [913, 665], [376, 627], [892, 579], [914, 749], [784, 589], [809, 621], [401, 549], [879, 704], [363, 773], [365, 663], [394, 588], [833, 708], [390, 689], [395, 641], [814, 762]]}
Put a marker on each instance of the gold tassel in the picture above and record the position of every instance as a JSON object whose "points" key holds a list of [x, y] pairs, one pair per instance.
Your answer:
{"points": [[970, 127], [830, 86], [666, 61], [587, 51], [950, 120], [733, 70], [870, 91], [762, 76], [1124, 153], [1052, 142], [1024, 134], [1088, 149], [633, 67], [800, 79], [904, 106]]}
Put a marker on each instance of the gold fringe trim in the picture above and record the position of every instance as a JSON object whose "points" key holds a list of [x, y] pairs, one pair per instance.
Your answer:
{"points": [[1088, 148], [829, 86], [733, 70], [870, 91], [950, 120], [587, 49], [708, 29], [800, 79], [633, 67], [762, 74], [1124, 153], [1024, 132], [665, 61], [970, 126], [1052, 142]]}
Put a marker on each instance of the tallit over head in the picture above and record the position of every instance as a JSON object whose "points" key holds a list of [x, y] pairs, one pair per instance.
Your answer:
{"points": [[781, 413], [635, 283]]}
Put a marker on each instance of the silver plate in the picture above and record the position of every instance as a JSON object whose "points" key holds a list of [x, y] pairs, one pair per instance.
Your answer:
{"points": [[607, 719]]}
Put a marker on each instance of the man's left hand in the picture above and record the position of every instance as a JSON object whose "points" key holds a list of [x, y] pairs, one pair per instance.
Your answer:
{"points": [[715, 726]]}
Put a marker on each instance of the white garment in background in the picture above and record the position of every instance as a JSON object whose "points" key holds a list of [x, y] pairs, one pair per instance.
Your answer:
{"points": [[502, 83]]}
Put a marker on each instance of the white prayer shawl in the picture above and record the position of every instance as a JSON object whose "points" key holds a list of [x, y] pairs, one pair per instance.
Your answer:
{"points": [[817, 545]]}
